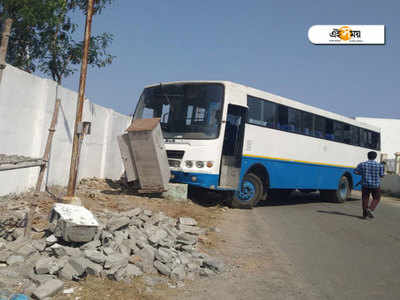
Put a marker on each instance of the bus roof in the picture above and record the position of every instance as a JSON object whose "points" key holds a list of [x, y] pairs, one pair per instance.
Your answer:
{"points": [[278, 99]]}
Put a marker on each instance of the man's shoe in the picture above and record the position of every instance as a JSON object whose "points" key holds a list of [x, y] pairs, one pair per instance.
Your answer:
{"points": [[364, 214], [370, 214]]}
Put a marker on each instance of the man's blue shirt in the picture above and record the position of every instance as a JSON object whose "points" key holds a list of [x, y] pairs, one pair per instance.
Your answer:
{"points": [[371, 173]]}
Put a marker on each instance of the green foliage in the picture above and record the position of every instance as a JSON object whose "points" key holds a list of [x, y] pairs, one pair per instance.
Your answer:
{"points": [[42, 36]]}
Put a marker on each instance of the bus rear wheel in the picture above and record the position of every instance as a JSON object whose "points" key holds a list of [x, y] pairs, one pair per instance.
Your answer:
{"points": [[341, 194], [249, 194]]}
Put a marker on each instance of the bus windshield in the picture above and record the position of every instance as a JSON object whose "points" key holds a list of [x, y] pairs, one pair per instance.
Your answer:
{"points": [[187, 111]]}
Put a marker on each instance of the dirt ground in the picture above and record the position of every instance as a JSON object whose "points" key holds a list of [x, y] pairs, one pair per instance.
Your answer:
{"points": [[109, 196], [255, 267]]}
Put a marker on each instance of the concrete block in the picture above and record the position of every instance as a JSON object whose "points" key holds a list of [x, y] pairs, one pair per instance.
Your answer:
{"points": [[117, 223], [162, 268], [73, 223], [68, 272], [15, 259], [178, 273], [48, 289], [176, 191], [133, 271], [157, 236], [95, 256], [93, 268], [116, 260], [187, 221], [79, 264]]}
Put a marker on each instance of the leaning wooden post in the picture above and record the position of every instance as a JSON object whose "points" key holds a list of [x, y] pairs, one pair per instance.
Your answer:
{"points": [[33, 204], [73, 171], [4, 44], [46, 155]]}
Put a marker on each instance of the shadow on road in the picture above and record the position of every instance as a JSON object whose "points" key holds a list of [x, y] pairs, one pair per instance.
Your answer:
{"points": [[339, 213]]}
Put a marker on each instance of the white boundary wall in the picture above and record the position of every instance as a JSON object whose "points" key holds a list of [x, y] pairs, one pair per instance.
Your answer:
{"points": [[26, 108]]}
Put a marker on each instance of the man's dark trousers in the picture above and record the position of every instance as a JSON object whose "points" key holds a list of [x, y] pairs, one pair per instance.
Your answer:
{"points": [[376, 197]]}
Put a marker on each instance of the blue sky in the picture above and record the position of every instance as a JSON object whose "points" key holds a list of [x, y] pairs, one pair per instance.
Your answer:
{"points": [[262, 44]]}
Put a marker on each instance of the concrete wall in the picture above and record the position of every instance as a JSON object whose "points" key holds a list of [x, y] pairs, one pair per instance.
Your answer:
{"points": [[26, 108], [391, 184], [390, 136]]}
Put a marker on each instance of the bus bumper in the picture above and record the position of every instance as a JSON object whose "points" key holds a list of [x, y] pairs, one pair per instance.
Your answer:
{"points": [[208, 181]]}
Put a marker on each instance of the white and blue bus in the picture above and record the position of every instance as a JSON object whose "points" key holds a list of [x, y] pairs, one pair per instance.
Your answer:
{"points": [[223, 136]]}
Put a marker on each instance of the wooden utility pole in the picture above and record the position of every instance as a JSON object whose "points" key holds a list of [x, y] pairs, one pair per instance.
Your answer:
{"points": [[73, 171], [4, 44]]}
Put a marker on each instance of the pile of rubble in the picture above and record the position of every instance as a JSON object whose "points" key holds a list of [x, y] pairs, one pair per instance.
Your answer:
{"points": [[130, 244]]}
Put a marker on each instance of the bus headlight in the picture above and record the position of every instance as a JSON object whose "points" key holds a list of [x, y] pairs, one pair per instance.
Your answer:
{"points": [[199, 164], [210, 164], [189, 163]]}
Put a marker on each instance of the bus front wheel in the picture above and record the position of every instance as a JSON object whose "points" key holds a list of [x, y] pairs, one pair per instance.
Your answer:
{"points": [[249, 194], [341, 194]]}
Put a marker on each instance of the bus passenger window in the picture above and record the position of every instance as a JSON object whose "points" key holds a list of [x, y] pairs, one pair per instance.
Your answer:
{"points": [[255, 111], [320, 127], [338, 131], [269, 113], [363, 138], [376, 144], [329, 134], [347, 134], [294, 118], [355, 136], [283, 123], [308, 123]]}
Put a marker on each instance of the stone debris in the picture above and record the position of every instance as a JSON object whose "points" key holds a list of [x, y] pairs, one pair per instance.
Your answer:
{"points": [[73, 223], [127, 245], [48, 289]]}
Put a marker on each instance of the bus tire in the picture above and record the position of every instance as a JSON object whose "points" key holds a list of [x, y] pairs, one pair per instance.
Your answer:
{"points": [[250, 194], [341, 194]]}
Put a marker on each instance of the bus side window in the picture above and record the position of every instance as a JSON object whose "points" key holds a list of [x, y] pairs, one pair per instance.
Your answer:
{"points": [[283, 122], [307, 123], [363, 138], [355, 136], [338, 131], [376, 141], [319, 127], [347, 134], [269, 113], [329, 134]]}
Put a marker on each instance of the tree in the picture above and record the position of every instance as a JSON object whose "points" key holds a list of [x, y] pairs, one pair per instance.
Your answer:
{"points": [[42, 36]]}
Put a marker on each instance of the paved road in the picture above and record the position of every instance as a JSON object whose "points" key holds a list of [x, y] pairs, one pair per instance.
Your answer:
{"points": [[338, 254]]}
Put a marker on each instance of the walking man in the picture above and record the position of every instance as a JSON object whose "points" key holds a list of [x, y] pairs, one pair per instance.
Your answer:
{"points": [[371, 173]]}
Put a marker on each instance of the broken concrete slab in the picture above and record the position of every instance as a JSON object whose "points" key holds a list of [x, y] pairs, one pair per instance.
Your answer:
{"points": [[162, 268], [178, 273], [15, 259], [176, 192], [95, 256], [191, 229], [214, 264], [186, 239], [133, 271], [157, 236], [118, 223], [187, 221], [48, 289], [51, 240], [116, 260], [68, 272], [73, 223], [79, 264], [93, 268]]}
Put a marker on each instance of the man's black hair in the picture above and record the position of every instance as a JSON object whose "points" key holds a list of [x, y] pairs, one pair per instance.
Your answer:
{"points": [[372, 155]]}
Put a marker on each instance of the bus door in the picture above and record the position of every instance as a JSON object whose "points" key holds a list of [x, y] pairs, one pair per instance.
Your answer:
{"points": [[231, 160]]}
